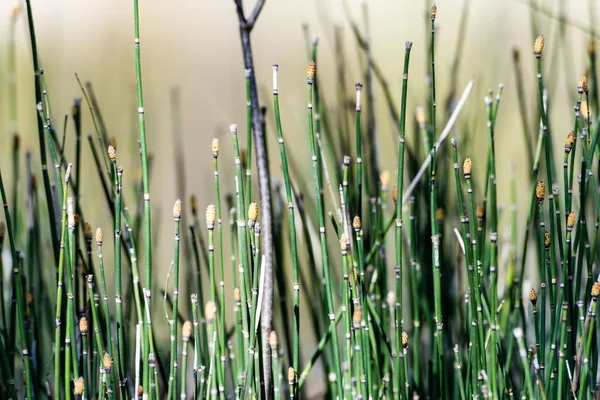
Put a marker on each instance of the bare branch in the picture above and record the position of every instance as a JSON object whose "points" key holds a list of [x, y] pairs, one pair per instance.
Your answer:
{"points": [[240, 12], [254, 15]]}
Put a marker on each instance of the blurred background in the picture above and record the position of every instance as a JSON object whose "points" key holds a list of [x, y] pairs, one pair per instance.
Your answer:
{"points": [[194, 80]]}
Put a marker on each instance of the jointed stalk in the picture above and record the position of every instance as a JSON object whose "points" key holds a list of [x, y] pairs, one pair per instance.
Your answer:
{"points": [[120, 356], [172, 390], [466, 232], [321, 218], [399, 244], [146, 183], [292, 226], [59, 290], [215, 151], [244, 267], [186, 332], [494, 252]]}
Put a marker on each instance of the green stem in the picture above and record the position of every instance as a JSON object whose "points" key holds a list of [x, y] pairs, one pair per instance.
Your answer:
{"points": [[323, 239], [494, 251], [172, 386], [399, 259], [222, 323], [244, 268], [59, 291], [292, 227], [466, 232], [146, 182], [120, 357]]}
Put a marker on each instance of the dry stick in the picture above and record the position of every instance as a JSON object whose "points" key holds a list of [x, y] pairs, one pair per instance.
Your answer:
{"points": [[246, 25]]}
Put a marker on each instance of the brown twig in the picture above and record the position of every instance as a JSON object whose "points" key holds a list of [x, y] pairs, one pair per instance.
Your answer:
{"points": [[246, 25]]}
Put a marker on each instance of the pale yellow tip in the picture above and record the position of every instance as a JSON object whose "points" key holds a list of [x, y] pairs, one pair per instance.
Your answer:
{"points": [[467, 166], [571, 220], [215, 146], [420, 116], [83, 325], [391, 299], [540, 191], [253, 212], [583, 109], [533, 296], [211, 215], [273, 339], [210, 310], [186, 331], [538, 46], [79, 385], [385, 178], [112, 153], [99, 235], [583, 83], [177, 209], [311, 70], [106, 361]]}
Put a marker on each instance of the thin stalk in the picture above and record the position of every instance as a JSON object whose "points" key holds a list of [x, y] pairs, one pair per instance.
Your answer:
{"points": [[458, 366], [359, 160], [221, 262], [292, 226], [321, 217], [561, 352], [346, 311], [211, 386], [435, 235], [276, 369], [71, 319], [59, 291], [134, 268], [83, 329], [587, 339], [172, 389], [319, 350], [198, 366], [244, 268], [211, 215], [186, 332], [15, 172], [518, 333], [494, 251], [120, 357], [5, 329], [145, 181], [472, 289], [110, 348], [399, 259], [43, 157]]}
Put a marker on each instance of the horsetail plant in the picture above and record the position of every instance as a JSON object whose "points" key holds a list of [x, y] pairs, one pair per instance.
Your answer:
{"points": [[473, 334]]}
